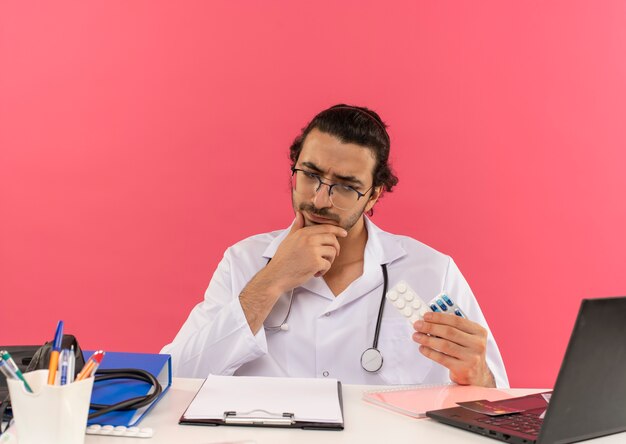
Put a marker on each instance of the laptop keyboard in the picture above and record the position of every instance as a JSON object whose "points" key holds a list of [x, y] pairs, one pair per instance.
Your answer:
{"points": [[520, 422]]}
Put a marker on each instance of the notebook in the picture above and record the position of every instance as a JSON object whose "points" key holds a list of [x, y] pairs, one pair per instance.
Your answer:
{"points": [[588, 397], [414, 401]]}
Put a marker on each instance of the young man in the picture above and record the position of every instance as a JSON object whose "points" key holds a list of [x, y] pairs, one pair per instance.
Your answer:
{"points": [[306, 301]]}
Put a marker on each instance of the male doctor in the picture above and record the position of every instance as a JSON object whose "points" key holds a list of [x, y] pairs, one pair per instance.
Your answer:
{"points": [[306, 301]]}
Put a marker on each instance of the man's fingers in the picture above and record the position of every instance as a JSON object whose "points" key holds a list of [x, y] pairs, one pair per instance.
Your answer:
{"points": [[325, 265], [457, 322], [329, 240], [444, 331], [328, 253], [327, 228], [318, 243], [441, 345], [456, 343], [441, 358], [298, 222]]}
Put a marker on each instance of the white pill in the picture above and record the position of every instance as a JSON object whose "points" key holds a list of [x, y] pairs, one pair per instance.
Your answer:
{"points": [[408, 311], [416, 303], [400, 304], [106, 430], [119, 431], [408, 296], [401, 287], [94, 427], [392, 295]]}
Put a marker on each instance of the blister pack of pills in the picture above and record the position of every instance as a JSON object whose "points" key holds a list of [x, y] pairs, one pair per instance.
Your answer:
{"points": [[125, 432], [408, 302], [443, 303]]}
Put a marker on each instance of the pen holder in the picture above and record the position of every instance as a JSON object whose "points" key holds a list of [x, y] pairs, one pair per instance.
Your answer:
{"points": [[52, 414]]}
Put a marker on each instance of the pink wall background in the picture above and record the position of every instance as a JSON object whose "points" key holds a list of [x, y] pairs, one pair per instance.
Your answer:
{"points": [[139, 139]]}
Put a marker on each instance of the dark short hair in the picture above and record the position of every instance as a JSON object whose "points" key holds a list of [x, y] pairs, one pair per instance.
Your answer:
{"points": [[358, 125]]}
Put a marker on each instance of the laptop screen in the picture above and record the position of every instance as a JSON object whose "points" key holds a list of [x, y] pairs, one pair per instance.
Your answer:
{"points": [[590, 392]]}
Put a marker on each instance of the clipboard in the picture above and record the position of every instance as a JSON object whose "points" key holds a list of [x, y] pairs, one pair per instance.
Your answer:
{"points": [[306, 403]]}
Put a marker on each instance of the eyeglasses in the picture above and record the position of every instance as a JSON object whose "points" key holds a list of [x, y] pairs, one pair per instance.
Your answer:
{"points": [[341, 196]]}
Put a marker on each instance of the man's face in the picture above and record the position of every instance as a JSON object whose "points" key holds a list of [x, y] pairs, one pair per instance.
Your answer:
{"points": [[336, 162]]}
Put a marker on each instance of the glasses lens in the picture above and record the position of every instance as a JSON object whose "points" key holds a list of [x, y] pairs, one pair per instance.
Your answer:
{"points": [[304, 183], [343, 197]]}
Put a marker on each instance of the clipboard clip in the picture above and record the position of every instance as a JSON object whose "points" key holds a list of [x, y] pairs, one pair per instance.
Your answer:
{"points": [[259, 417]]}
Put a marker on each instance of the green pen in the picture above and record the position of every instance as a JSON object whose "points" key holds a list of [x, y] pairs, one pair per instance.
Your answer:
{"points": [[6, 357]]}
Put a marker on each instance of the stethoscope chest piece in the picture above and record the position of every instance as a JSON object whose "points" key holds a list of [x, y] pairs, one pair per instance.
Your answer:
{"points": [[371, 360]]}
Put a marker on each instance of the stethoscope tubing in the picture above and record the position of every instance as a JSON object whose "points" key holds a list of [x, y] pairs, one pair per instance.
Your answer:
{"points": [[382, 306], [372, 358]]}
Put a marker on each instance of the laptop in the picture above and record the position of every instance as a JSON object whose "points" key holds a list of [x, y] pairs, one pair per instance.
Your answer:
{"points": [[589, 396]]}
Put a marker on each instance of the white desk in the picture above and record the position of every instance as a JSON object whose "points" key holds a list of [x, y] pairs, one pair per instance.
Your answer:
{"points": [[364, 423]]}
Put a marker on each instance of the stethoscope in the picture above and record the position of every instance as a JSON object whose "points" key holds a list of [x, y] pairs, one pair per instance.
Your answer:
{"points": [[372, 358]]}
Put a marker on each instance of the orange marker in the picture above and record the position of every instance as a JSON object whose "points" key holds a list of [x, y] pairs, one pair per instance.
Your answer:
{"points": [[91, 366], [54, 354]]}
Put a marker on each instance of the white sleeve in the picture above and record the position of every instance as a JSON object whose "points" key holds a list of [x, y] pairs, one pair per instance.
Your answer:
{"points": [[458, 288], [216, 338]]}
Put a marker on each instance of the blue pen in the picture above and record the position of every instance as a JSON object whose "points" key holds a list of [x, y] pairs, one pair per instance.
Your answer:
{"points": [[54, 354]]}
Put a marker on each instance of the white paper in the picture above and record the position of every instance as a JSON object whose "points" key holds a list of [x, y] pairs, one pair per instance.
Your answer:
{"points": [[309, 399]]}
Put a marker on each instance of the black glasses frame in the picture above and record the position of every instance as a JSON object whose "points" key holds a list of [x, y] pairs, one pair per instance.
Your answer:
{"points": [[330, 185]]}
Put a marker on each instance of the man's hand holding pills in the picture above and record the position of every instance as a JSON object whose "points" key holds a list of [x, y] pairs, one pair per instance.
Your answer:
{"points": [[458, 344]]}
